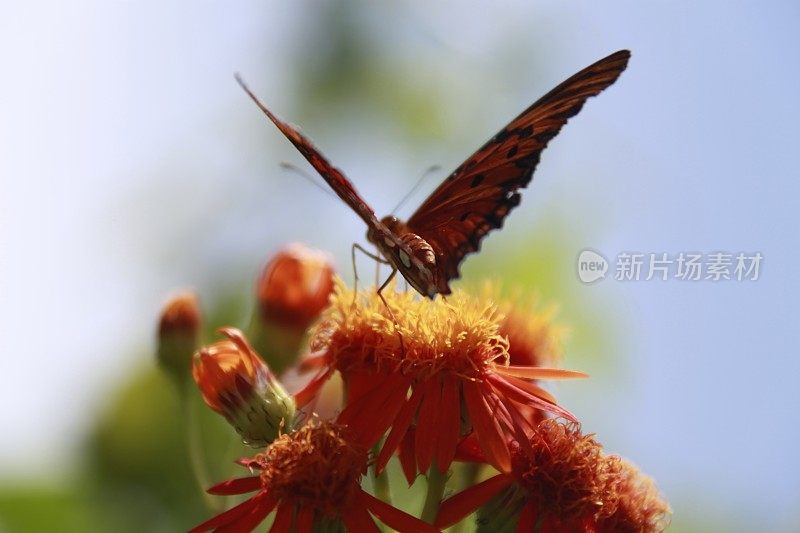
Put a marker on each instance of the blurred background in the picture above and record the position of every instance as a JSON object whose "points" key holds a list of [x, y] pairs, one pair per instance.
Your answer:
{"points": [[131, 164]]}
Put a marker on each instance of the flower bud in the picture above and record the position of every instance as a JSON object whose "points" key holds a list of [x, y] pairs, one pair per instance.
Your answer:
{"points": [[292, 291], [237, 384], [178, 334]]}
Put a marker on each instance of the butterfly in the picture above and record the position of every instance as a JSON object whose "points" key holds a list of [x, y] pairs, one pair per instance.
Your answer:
{"points": [[476, 197]]}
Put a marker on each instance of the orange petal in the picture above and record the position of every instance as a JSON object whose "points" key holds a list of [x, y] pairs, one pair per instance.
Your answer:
{"points": [[487, 430], [537, 372], [305, 520], [527, 519], [357, 518], [393, 517], [373, 412], [401, 423], [427, 424], [236, 486], [504, 388], [466, 502], [283, 519], [449, 424], [309, 392], [233, 514], [313, 361], [408, 459], [359, 383], [249, 522], [531, 388], [468, 450]]}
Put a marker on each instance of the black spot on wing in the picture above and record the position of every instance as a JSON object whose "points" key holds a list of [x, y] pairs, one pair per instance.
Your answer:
{"points": [[477, 180], [525, 132]]}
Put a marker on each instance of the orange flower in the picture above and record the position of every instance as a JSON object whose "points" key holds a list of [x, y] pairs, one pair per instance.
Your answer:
{"points": [[534, 338], [562, 481], [236, 383], [178, 333], [311, 479], [639, 505], [453, 361], [295, 286]]}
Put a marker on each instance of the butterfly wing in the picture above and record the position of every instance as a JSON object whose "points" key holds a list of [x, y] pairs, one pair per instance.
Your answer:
{"points": [[479, 194], [332, 175]]}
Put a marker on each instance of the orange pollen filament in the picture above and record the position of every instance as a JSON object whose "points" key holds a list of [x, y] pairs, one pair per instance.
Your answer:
{"points": [[563, 471], [368, 351], [317, 466]]}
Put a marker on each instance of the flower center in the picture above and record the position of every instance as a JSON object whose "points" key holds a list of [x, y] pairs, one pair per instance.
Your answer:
{"points": [[460, 335], [316, 466]]}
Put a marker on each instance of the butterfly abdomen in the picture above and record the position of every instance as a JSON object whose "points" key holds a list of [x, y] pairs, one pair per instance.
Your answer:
{"points": [[420, 248]]}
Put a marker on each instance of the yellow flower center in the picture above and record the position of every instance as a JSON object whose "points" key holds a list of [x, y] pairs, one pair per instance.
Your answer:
{"points": [[459, 334]]}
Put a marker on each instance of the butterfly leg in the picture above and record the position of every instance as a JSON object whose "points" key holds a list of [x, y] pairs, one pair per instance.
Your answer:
{"points": [[391, 313], [378, 261]]}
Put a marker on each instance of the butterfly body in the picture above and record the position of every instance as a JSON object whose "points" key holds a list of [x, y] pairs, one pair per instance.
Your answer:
{"points": [[477, 196], [407, 252]]}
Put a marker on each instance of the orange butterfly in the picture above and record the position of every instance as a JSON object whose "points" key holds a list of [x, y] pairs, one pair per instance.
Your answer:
{"points": [[475, 199]]}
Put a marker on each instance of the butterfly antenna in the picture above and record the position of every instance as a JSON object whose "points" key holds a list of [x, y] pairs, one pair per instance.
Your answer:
{"points": [[293, 168], [428, 172]]}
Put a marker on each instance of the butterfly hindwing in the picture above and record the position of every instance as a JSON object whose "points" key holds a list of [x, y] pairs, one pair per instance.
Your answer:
{"points": [[479, 194]]}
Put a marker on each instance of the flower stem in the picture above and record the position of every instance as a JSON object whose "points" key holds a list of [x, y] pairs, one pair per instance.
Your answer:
{"points": [[381, 482], [469, 475], [436, 484], [195, 445]]}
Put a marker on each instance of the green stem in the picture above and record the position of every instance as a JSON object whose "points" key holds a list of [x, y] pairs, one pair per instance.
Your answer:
{"points": [[436, 484], [470, 472], [195, 445], [381, 482]]}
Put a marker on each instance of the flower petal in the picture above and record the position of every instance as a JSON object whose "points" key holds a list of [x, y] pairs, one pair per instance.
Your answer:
{"points": [[408, 459], [427, 424], [449, 424], [531, 388], [401, 423], [283, 518], [538, 372], [527, 519], [305, 520], [245, 518], [357, 518], [231, 515], [467, 501], [393, 517], [236, 486], [309, 392], [507, 389], [468, 450], [314, 361], [487, 430], [373, 412]]}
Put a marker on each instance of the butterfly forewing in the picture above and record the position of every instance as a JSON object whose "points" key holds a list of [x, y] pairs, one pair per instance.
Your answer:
{"points": [[480, 193], [332, 175]]}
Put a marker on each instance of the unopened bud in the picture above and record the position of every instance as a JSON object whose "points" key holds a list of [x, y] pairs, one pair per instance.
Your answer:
{"points": [[237, 384], [178, 334], [292, 291]]}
